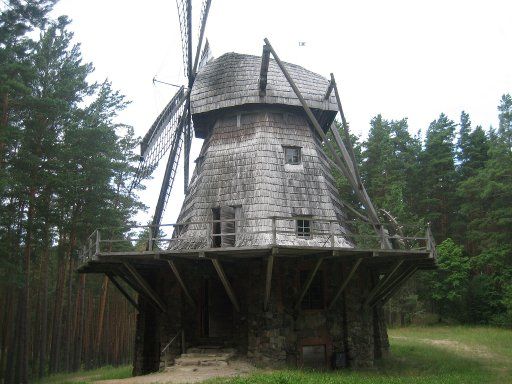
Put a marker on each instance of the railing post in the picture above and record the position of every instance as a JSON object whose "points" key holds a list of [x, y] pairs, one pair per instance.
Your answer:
{"points": [[331, 233], [90, 247], [97, 241], [150, 241], [274, 230]]}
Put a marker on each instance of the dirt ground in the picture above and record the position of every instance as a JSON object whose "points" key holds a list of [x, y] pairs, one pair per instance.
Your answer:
{"points": [[188, 374]]}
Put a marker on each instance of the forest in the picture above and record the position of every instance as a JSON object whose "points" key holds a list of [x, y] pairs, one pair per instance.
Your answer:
{"points": [[66, 166]]}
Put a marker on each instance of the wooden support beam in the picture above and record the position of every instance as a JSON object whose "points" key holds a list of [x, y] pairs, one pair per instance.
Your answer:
{"points": [[268, 281], [308, 111], [344, 151], [346, 281], [372, 213], [305, 288], [398, 285], [265, 59], [145, 286], [123, 291], [181, 283], [387, 287], [337, 160], [382, 282], [329, 91], [227, 286]]}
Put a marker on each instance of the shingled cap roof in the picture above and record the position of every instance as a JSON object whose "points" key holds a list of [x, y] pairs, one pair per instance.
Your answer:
{"points": [[233, 80]]}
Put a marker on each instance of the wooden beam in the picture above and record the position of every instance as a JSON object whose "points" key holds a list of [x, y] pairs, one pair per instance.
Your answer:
{"points": [[227, 286], [382, 282], [145, 286], [345, 282], [181, 283], [268, 281], [368, 203], [337, 160], [305, 288], [397, 286], [391, 284], [265, 59], [123, 291], [329, 90]]}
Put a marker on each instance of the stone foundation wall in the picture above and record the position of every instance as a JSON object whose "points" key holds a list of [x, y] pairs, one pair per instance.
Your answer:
{"points": [[275, 336]]}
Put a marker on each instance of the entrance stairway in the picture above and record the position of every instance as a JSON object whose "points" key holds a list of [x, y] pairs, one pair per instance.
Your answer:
{"points": [[202, 355], [207, 355]]}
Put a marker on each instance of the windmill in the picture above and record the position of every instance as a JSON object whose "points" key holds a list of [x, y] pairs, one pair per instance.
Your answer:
{"points": [[172, 129], [263, 257]]}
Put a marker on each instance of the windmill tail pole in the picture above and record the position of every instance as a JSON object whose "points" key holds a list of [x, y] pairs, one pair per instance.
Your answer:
{"points": [[372, 212], [337, 161], [355, 178]]}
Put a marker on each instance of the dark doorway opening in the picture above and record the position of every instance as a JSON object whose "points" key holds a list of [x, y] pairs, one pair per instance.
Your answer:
{"points": [[216, 311]]}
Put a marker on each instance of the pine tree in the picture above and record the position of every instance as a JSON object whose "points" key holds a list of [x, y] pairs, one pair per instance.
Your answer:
{"points": [[438, 177]]}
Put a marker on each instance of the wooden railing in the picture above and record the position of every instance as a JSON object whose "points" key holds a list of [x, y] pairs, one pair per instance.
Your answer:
{"points": [[270, 231]]}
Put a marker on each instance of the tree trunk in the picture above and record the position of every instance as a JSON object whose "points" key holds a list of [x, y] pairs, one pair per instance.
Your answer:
{"points": [[43, 340], [69, 315], [57, 310], [80, 324], [101, 316], [25, 299]]}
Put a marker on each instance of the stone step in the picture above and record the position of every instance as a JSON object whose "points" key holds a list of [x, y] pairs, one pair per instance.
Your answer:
{"points": [[210, 357], [210, 349]]}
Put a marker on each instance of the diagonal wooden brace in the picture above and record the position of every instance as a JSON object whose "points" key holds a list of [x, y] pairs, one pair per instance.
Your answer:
{"points": [[227, 286], [181, 283], [376, 289], [149, 292], [123, 291], [345, 282], [305, 288]]}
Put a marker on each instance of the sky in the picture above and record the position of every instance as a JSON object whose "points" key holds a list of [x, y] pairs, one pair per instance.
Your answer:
{"points": [[413, 59]]}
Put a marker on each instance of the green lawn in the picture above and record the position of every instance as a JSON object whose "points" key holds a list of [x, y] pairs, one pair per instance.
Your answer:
{"points": [[85, 377], [438, 354], [451, 354]]}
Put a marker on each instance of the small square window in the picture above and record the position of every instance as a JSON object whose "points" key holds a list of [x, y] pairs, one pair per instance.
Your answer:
{"points": [[292, 155], [304, 228]]}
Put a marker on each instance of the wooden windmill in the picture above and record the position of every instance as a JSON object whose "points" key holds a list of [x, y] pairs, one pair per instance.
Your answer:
{"points": [[263, 259]]}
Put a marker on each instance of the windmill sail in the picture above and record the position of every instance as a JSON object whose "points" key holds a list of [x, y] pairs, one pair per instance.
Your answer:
{"points": [[158, 139]]}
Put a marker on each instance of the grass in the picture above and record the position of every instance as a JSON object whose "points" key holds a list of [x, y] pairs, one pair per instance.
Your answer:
{"points": [[85, 377], [420, 355]]}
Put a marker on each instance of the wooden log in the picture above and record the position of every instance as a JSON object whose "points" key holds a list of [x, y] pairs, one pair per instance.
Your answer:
{"points": [[181, 283], [345, 282], [265, 59], [305, 288], [225, 282], [150, 293], [329, 91], [382, 282], [123, 291], [398, 285], [372, 213], [337, 160], [391, 284]]}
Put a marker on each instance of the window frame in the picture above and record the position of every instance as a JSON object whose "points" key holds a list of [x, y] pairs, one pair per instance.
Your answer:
{"points": [[291, 148], [300, 231]]}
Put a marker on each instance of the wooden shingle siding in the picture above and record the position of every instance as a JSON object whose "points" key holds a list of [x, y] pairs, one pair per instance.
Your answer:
{"points": [[245, 166]]}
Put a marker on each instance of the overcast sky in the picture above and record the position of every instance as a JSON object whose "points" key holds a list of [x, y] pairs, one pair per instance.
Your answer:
{"points": [[411, 59]]}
